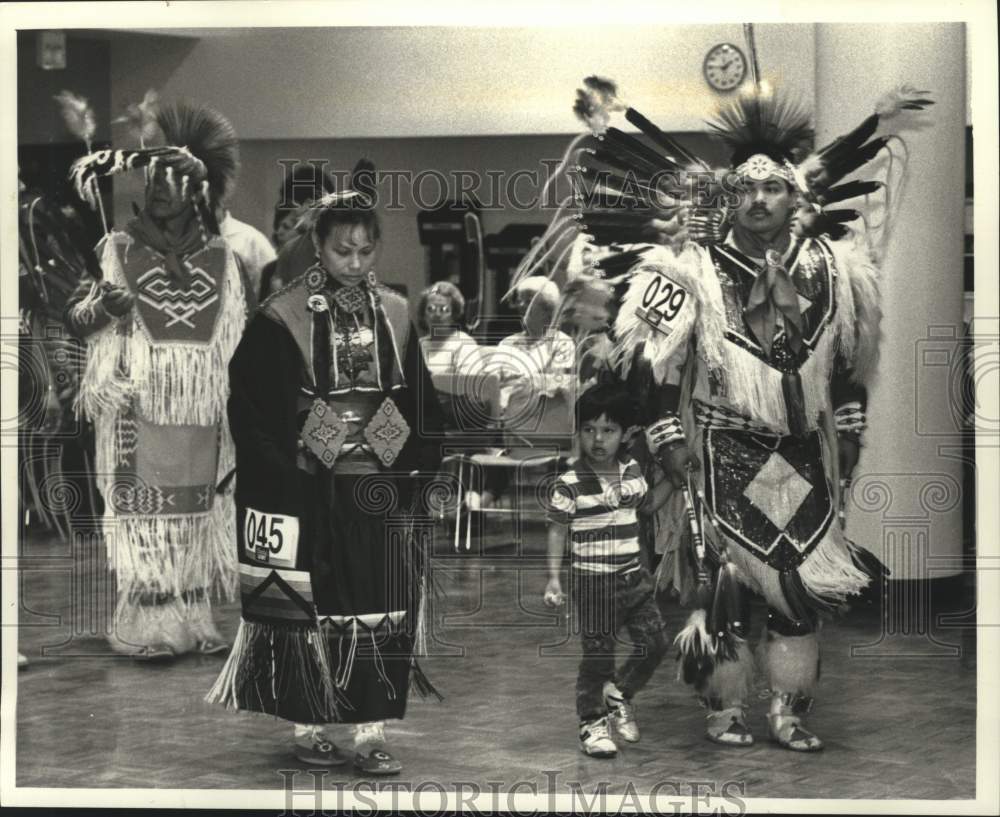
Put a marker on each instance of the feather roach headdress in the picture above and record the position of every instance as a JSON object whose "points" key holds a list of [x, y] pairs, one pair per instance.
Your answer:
{"points": [[201, 157], [764, 132], [210, 138]]}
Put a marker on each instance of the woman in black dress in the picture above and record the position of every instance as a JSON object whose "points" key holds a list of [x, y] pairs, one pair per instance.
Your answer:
{"points": [[330, 410]]}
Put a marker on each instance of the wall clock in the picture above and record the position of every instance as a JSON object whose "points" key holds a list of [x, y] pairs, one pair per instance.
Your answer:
{"points": [[725, 67]]}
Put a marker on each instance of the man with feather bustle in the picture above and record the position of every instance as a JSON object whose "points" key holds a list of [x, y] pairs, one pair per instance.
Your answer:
{"points": [[748, 328]]}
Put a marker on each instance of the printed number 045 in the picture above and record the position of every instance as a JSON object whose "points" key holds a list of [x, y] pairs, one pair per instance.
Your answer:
{"points": [[665, 296], [258, 533]]}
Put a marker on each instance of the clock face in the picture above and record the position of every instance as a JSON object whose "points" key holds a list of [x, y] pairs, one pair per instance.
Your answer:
{"points": [[725, 67]]}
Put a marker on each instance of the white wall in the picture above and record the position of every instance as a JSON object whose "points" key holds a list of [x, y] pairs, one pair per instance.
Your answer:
{"points": [[309, 83], [393, 92]]}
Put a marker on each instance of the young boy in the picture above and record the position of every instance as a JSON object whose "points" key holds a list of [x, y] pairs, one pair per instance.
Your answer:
{"points": [[594, 505]]}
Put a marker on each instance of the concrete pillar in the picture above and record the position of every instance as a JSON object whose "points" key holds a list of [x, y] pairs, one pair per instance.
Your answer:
{"points": [[909, 477]]}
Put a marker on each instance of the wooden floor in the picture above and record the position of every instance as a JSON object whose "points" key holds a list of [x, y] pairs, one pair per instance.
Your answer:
{"points": [[898, 717]]}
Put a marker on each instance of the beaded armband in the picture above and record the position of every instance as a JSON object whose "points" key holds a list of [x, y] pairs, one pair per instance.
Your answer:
{"points": [[850, 420], [665, 432]]}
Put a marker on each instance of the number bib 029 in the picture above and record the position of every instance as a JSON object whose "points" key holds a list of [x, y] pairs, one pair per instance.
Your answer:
{"points": [[662, 303], [271, 538]]}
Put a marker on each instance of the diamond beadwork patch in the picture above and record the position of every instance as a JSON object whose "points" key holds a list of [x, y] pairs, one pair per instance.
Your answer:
{"points": [[778, 490], [387, 432], [323, 433], [350, 299]]}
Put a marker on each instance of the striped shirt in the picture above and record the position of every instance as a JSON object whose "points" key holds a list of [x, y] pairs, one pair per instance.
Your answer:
{"points": [[601, 515]]}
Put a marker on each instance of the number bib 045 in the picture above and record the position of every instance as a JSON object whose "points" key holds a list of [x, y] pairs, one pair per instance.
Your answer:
{"points": [[271, 538], [662, 303]]}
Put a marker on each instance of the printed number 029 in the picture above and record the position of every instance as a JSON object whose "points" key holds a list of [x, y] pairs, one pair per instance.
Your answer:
{"points": [[665, 296], [258, 533]]}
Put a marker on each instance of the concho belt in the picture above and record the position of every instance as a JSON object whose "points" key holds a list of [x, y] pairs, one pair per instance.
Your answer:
{"points": [[325, 431]]}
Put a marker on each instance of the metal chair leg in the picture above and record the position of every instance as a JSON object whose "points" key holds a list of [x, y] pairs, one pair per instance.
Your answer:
{"points": [[459, 502]]}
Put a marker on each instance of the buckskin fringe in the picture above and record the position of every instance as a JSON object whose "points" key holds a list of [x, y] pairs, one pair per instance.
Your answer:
{"points": [[172, 554]]}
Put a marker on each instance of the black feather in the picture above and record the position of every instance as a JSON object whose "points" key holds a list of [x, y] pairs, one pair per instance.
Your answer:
{"points": [[675, 151], [620, 189], [849, 190], [652, 160], [724, 615], [635, 219], [841, 165], [613, 264], [853, 140], [606, 157]]}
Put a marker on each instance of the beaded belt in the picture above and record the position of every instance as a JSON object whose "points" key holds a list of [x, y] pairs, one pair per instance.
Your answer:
{"points": [[325, 432]]}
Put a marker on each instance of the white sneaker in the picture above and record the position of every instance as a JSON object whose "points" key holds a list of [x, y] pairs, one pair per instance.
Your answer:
{"points": [[595, 739], [621, 713]]}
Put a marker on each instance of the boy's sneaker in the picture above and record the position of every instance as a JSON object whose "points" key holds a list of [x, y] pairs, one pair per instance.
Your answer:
{"points": [[621, 713], [595, 738]]}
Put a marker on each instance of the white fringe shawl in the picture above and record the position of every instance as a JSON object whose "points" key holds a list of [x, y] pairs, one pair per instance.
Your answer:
{"points": [[173, 383], [687, 268], [829, 574], [174, 554], [753, 388], [750, 385], [859, 313]]}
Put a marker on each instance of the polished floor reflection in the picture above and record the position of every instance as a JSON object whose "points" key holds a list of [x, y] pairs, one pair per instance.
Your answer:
{"points": [[898, 717]]}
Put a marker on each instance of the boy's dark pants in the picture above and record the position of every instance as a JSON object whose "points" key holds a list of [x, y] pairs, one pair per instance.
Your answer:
{"points": [[606, 603]]}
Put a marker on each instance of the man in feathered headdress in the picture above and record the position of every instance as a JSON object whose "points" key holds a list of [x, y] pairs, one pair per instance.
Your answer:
{"points": [[747, 330], [765, 381], [161, 325]]}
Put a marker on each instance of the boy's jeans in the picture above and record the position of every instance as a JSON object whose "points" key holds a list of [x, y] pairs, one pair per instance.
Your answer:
{"points": [[605, 603]]}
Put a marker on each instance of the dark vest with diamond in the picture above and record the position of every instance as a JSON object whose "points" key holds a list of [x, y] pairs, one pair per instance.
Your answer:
{"points": [[347, 416]]}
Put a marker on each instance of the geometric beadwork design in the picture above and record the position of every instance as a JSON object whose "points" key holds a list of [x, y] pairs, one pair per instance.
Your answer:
{"points": [[777, 490], [387, 432], [350, 299], [127, 431], [323, 433], [170, 309], [769, 494]]}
